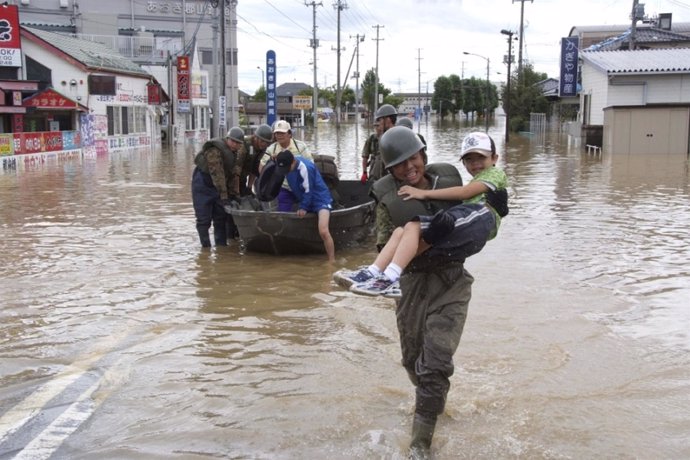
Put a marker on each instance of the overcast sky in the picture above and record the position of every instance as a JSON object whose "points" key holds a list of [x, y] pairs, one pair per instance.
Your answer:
{"points": [[437, 31]]}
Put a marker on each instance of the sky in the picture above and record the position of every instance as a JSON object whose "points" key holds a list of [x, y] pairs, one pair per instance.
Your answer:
{"points": [[419, 40]]}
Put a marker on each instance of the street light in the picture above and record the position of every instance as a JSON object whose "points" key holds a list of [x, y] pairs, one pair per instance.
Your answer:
{"points": [[486, 102], [263, 83], [506, 101]]}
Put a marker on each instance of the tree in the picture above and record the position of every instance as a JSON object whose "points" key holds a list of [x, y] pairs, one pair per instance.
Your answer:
{"points": [[442, 99], [473, 94], [260, 94], [368, 90], [525, 97]]}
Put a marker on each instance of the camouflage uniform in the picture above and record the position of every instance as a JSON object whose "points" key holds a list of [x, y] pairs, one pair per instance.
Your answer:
{"points": [[216, 179], [371, 153]]}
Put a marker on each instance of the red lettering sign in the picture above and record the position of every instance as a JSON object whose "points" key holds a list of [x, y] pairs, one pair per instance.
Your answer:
{"points": [[183, 77], [10, 38], [49, 98], [154, 94]]}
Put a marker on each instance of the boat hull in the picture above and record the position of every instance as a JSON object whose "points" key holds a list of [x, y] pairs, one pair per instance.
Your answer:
{"points": [[285, 233]]}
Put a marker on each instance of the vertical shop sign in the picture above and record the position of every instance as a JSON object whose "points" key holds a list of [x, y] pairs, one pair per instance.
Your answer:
{"points": [[568, 83], [271, 97], [10, 40], [184, 85]]}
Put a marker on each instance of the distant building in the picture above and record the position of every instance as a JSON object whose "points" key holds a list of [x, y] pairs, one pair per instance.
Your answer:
{"points": [[285, 93], [639, 100], [414, 101], [634, 101], [77, 96], [153, 33]]}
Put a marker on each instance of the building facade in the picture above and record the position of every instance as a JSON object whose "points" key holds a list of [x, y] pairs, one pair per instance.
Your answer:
{"points": [[640, 99], [153, 33]]}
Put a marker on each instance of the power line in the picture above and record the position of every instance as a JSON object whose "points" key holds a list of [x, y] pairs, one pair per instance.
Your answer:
{"points": [[286, 16]]}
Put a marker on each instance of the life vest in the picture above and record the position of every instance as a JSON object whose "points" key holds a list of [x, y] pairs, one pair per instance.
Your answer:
{"points": [[228, 156], [385, 192]]}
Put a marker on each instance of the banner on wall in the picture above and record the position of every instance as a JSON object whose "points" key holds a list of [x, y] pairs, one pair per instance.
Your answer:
{"points": [[10, 40]]}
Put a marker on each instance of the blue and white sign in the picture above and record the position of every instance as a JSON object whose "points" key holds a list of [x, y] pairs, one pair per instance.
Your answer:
{"points": [[271, 96], [569, 54]]}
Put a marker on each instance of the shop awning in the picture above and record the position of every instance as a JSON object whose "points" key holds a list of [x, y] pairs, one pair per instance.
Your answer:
{"points": [[49, 99]]}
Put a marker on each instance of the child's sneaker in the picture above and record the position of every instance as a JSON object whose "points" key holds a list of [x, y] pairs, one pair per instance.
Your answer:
{"points": [[374, 287], [393, 291], [347, 278]]}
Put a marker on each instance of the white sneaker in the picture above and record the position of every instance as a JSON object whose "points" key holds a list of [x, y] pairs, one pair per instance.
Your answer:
{"points": [[347, 278]]}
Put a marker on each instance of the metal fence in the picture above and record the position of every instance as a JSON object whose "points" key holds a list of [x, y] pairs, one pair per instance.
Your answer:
{"points": [[143, 49]]}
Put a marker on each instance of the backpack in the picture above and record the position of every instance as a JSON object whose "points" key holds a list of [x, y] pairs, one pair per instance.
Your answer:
{"points": [[269, 182], [328, 169]]}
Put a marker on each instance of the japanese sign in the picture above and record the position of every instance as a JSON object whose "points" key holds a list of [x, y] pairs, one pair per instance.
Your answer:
{"points": [[10, 40], [222, 110], [153, 91], [271, 96], [569, 54], [184, 84], [301, 102], [50, 99]]}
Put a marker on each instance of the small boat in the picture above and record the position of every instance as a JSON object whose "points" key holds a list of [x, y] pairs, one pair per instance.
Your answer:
{"points": [[283, 233]]}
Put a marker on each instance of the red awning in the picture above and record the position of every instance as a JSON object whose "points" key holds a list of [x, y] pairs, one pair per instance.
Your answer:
{"points": [[49, 99]]}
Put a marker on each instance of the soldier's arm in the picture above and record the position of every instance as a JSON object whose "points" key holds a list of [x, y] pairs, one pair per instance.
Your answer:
{"points": [[365, 154], [214, 158], [384, 226], [237, 170]]}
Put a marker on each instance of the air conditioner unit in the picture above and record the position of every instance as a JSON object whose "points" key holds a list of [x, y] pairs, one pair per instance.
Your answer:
{"points": [[64, 3]]}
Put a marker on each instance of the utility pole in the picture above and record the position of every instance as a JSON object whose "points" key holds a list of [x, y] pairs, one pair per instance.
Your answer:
{"points": [[234, 87], [214, 89], [522, 33], [339, 6], [506, 101], [315, 91], [356, 75], [376, 82], [633, 27], [419, 87], [222, 126]]}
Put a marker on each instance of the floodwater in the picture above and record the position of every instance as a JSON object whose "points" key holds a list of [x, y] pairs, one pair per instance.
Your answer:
{"points": [[121, 339]]}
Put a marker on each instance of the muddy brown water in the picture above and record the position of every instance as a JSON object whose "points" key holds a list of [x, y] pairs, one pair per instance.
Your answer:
{"points": [[121, 338]]}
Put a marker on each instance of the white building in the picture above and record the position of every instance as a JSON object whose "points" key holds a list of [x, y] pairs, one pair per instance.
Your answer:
{"points": [[641, 98], [111, 92], [153, 33]]}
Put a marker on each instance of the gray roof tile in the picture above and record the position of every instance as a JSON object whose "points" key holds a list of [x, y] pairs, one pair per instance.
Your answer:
{"points": [[93, 55], [651, 61]]}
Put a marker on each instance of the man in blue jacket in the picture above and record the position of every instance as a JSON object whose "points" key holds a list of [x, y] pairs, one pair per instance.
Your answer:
{"points": [[311, 192]]}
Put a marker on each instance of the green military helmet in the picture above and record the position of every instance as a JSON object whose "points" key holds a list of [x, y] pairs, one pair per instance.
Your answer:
{"points": [[386, 110], [398, 144], [236, 134], [265, 133], [405, 121]]}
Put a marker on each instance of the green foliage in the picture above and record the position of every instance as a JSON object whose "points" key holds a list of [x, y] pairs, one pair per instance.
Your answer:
{"points": [[395, 101], [443, 99], [260, 94], [525, 97], [368, 90]]}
